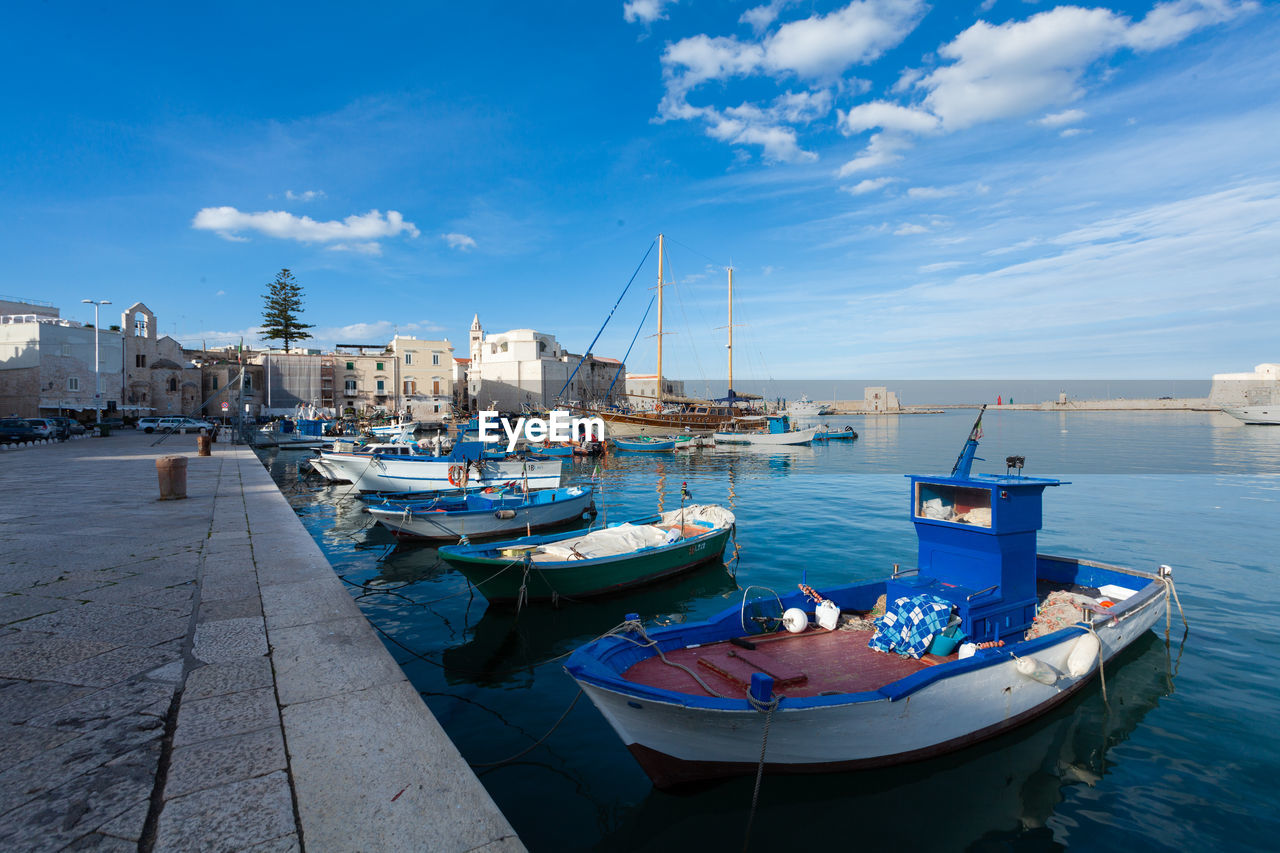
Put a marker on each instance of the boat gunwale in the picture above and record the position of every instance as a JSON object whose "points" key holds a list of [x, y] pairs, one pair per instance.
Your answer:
{"points": [[375, 509]]}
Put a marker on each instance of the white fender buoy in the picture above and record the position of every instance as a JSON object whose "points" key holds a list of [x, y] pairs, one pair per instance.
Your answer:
{"points": [[1084, 654], [827, 614], [1032, 668], [795, 620]]}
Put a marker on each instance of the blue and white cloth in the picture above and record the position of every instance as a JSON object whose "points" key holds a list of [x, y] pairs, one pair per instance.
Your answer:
{"points": [[909, 625]]}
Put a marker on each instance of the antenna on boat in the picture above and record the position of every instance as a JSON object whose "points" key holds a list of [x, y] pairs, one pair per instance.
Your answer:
{"points": [[965, 460]]}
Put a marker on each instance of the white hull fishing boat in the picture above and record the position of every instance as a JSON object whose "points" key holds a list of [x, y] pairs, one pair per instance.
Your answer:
{"points": [[463, 467], [1257, 415], [806, 408], [777, 434], [735, 695], [474, 515]]}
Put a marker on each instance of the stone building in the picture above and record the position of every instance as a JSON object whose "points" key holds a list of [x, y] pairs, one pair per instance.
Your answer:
{"points": [[220, 378], [47, 363], [1259, 388], [524, 368], [642, 390], [426, 377], [158, 378]]}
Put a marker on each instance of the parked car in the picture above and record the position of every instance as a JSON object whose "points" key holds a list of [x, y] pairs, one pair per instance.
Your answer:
{"points": [[165, 424], [67, 427], [16, 431], [43, 427]]}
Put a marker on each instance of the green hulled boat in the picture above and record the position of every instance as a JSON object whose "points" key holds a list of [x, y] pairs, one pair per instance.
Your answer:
{"points": [[587, 563]]}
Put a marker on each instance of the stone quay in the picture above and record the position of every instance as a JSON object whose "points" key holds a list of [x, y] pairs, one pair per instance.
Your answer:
{"points": [[192, 675]]}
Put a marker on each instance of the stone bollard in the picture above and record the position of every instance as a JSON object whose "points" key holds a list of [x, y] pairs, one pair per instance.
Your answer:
{"points": [[172, 473], [204, 445]]}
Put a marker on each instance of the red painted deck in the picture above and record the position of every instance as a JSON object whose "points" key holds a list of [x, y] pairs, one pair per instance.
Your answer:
{"points": [[808, 664]]}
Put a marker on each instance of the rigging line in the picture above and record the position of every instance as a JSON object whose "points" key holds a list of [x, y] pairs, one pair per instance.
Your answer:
{"points": [[606, 320], [695, 251], [688, 327], [618, 372]]}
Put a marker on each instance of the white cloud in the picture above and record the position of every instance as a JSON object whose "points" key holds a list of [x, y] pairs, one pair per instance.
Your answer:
{"points": [[644, 11], [994, 72], [908, 228], [869, 185], [887, 116], [459, 241], [1059, 119], [881, 150], [307, 195], [933, 192], [944, 265], [1170, 23], [220, 293], [355, 233], [820, 47], [760, 18], [1071, 131]]}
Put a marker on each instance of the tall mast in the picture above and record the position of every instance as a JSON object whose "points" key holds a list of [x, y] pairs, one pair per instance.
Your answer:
{"points": [[659, 391], [730, 344]]}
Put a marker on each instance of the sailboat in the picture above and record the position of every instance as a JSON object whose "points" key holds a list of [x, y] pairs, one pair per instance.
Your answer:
{"points": [[670, 415]]}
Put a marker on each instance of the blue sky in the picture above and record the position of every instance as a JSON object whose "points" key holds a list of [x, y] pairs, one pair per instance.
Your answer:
{"points": [[905, 189]]}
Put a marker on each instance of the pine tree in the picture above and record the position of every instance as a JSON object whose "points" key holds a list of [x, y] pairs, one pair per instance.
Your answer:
{"points": [[283, 308]]}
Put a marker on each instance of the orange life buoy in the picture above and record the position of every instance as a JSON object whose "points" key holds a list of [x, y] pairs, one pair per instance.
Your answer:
{"points": [[457, 475]]}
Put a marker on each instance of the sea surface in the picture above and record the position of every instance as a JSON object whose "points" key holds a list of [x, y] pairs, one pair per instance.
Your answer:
{"points": [[1186, 754]]}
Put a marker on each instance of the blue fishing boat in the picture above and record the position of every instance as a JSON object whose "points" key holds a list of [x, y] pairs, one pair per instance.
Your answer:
{"points": [[826, 433], [883, 677], [493, 512], [649, 444]]}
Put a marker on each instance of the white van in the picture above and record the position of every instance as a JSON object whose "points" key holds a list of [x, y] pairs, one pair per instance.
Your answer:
{"points": [[165, 424]]}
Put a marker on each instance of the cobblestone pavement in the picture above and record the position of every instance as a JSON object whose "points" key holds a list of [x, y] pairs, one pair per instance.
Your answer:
{"points": [[191, 675]]}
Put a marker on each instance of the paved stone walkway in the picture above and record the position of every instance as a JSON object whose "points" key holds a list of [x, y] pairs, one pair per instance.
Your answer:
{"points": [[191, 674]]}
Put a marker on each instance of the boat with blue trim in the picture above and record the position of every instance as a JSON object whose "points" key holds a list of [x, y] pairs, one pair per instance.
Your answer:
{"points": [[492, 512], [652, 444], [871, 674]]}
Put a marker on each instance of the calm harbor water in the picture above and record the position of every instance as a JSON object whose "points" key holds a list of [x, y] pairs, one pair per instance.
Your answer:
{"points": [[1186, 755]]}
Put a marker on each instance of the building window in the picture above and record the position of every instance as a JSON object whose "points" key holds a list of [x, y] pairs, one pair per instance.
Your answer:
{"points": [[381, 387], [173, 384], [248, 382], [139, 360], [215, 383], [140, 326], [379, 367], [408, 358], [435, 358], [410, 387], [73, 383], [66, 349], [351, 386], [351, 365]]}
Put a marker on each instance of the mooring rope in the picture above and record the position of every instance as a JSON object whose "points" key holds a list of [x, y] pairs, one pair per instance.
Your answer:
{"points": [[536, 743], [767, 708]]}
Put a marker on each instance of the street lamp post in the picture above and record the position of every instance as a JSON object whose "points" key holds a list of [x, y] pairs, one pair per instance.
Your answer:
{"points": [[97, 362]]}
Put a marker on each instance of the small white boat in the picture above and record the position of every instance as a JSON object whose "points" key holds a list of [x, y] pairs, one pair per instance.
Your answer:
{"points": [[477, 514], [292, 433], [418, 472], [806, 408], [777, 433], [398, 429], [1256, 414]]}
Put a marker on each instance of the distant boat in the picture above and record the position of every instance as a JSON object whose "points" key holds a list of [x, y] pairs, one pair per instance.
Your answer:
{"points": [[590, 563], [390, 430], [878, 680], [295, 434], [806, 408], [774, 430], [488, 513], [1256, 414]]}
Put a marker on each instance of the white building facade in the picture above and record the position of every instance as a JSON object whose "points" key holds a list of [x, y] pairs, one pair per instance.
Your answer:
{"points": [[47, 366], [527, 369]]}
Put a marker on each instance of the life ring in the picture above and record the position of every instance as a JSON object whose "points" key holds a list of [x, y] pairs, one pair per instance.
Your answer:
{"points": [[457, 475]]}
